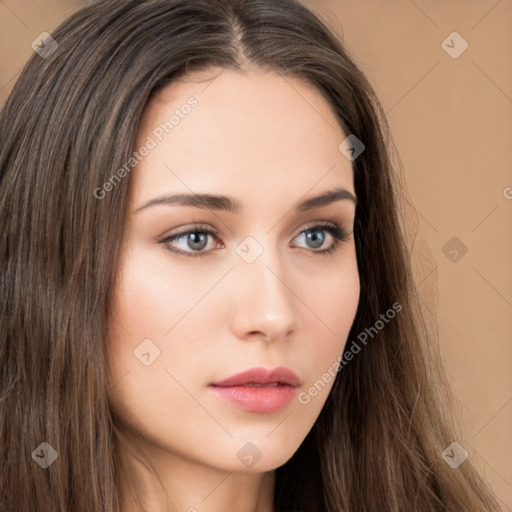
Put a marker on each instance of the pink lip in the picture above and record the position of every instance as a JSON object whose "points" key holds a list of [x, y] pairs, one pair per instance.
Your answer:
{"points": [[237, 389]]}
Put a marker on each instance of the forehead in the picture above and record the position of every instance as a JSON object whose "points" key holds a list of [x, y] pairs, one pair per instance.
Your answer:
{"points": [[247, 133]]}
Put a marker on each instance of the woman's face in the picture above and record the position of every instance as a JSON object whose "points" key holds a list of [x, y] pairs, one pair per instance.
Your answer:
{"points": [[209, 288]]}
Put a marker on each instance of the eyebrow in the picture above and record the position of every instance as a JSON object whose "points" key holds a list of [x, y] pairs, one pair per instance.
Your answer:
{"points": [[228, 204]]}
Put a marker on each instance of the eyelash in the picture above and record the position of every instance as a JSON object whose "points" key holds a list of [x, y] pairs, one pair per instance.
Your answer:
{"points": [[337, 232]]}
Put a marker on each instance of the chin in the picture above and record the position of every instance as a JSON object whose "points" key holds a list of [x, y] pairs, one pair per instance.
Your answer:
{"points": [[260, 456]]}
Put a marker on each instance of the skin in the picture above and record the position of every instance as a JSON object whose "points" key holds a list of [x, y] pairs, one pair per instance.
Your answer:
{"points": [[268, 142]]}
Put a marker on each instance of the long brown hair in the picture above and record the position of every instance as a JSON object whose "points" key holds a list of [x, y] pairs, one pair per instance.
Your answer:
{"points": [[69, 124]]}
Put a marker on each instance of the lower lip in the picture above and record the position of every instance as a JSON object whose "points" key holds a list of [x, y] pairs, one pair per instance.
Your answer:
{"points": [[257, 398]]}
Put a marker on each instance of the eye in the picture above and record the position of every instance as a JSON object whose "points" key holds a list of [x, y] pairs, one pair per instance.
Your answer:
{"points": [[315, 237], [192, 242]]}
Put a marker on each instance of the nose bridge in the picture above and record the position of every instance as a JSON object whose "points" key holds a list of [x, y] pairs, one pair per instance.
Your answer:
{"points": [[264, 302]]}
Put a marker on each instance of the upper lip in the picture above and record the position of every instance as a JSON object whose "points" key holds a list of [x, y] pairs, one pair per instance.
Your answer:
{"points": [[261, 375]]}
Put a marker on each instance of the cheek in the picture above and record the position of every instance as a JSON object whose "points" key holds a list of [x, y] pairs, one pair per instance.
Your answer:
{"points": [[339, 301], [333, 302], [146, 298], [162, 321], [156, 294], [155, 345], [332, 297]]}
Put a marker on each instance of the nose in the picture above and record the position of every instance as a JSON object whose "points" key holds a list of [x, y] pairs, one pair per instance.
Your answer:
{"points": [[264, 305]]}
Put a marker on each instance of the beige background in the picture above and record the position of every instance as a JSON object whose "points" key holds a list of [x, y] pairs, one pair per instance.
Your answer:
{"points": [[451, 119]]}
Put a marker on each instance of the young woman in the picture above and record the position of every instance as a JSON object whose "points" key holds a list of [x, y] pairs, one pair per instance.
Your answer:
{"points": [[206, 294]]}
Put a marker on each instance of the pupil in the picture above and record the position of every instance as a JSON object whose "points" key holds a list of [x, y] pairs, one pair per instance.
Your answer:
{"points": [[316, 237], [197, 240]]}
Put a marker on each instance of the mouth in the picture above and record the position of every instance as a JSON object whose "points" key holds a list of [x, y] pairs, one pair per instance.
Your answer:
{"points": [[259, 390], [271, 385]]}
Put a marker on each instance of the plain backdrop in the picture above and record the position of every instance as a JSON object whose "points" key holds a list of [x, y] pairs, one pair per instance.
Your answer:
{"points": [[443, 72]]}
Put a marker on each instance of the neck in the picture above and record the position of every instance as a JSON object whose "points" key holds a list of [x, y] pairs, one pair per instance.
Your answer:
{"points": [[155, 480]]}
